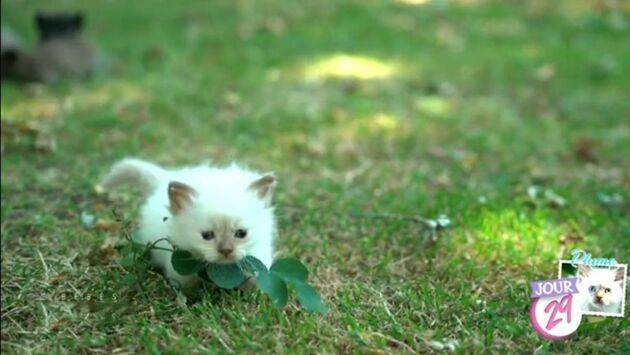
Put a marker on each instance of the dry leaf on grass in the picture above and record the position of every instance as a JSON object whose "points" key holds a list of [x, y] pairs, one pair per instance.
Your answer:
{"points": [[106, 225], [57, 279], [55, 327], [105, 253], [37, 136], [584, 150], [571, 237], [545, 72]]}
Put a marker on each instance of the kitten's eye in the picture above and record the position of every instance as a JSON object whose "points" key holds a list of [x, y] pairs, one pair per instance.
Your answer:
{"points": [[607, 290], [592, 288], [207, 235], [240, 233]]}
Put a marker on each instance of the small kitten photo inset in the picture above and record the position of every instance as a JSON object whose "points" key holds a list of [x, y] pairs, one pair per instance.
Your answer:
{"points": [[602, 289]]}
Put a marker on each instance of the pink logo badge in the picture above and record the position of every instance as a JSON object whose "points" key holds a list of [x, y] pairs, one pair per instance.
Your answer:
{"points": [[554, 313]]}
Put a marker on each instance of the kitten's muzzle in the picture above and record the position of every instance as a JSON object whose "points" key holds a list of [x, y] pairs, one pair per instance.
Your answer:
{"points": [[226, 251], [599, 296]]}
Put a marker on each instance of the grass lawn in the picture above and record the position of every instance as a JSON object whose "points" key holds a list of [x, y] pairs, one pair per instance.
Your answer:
{"points": [[360, 107]]}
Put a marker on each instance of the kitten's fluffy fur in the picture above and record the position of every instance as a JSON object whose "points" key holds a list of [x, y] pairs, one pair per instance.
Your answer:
{"points": [[187, 202], [601, 289]]}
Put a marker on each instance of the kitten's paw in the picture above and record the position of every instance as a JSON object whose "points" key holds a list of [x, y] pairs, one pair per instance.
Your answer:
{"points": [[249, 285], [180, 295], [175, 285], [182, 281]]}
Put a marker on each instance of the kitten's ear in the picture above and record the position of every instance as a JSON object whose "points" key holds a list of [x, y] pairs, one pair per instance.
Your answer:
{"points": [[77, 20], [264, 186], [179, 195], [619, 275], [583, 270], [41, 20]]}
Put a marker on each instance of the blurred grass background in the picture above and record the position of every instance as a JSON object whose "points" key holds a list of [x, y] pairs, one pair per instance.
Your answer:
{"points": [[360, 107]]}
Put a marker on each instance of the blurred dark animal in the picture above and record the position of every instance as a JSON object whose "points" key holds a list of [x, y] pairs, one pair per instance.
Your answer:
{"points": [[10, 46], [62, 51]]}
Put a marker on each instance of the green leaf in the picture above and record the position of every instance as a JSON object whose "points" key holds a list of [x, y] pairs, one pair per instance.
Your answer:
{"points": [[290, 270], [226, 275], [252, 265], [124, 249], [274, 287], [128, 260], [129, 279], [309, 298], [203, 274], [184, 263], [138, 247]]}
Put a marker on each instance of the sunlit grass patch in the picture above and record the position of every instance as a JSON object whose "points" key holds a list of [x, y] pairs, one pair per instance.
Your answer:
{"points": [[111, 93], [38, 108], [380, 123], [431, 2], [45, 104], [518, 236], [353, 134], [349, 67], [414, 2], [435, 105]]}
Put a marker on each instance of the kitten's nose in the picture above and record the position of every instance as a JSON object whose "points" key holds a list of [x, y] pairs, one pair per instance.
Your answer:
{"points": [[226, 251]]}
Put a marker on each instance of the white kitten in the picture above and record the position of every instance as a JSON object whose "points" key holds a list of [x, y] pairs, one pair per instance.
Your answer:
{"points": [[601, 289], [219, 214]]}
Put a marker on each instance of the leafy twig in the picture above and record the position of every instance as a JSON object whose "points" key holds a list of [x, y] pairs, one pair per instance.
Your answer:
{"points": [[427, 222], [434, 225]]}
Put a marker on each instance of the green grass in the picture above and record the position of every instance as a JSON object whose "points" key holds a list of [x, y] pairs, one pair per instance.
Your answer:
{"points": [[472, 104]]}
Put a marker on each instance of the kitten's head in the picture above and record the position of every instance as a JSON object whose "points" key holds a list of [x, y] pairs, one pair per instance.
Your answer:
{"points": [[56, 25], [602, 287], [223, 216]]}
